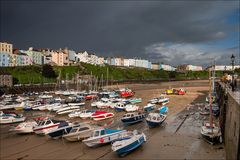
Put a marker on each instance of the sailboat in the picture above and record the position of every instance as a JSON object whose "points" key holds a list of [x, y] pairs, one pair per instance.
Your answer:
{"points": [[210, 131]]}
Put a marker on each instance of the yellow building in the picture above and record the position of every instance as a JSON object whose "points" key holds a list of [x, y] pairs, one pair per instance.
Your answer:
{"points": [[6, 47], [60, 58]]}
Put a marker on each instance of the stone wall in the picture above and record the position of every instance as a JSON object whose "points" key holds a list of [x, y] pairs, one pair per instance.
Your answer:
{"points": [[229, 120]]}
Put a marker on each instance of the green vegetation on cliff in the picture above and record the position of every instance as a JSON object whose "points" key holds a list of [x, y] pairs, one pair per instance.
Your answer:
{"points": [[48, 74]]}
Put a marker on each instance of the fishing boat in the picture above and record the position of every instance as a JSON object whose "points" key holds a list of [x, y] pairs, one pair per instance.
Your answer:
{"points": [[119, 106], [78, 133], [133, 117], [7, 119], [86, 113], [63, 128], [24, 127], [149, 107], [69, 109], [209, 130], [45, 125], [155, 119], [100, 115], [135, 100], [103, 135], [128, 144], [163, 110], [131, 108]]}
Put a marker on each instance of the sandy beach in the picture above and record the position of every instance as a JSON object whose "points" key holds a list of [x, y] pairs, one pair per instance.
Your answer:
{"points": [[178, 138]]}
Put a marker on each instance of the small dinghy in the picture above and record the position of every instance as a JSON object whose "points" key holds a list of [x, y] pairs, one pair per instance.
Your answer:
{"points": [[8, 118], [131, 118], [101, 115], [128, 144], [155, 119], [78, 133], [63, 128], [104, 136], [163, 110], [149, 107], [211, 133], [24, 127], [131, 108]]}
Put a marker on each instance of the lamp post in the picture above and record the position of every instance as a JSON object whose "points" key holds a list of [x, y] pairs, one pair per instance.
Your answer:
{"points": [[233, 59]]}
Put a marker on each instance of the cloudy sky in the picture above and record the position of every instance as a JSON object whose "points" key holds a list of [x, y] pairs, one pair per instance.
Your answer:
{"points": [[173, 32]]}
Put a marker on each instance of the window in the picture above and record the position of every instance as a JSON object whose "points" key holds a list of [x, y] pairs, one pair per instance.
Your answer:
{"points": [[102, 132], [96, 133], [48, 122]]}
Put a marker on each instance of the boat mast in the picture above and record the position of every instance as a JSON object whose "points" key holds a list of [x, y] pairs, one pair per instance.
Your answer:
{"points": [[210, 98], [107, 78]]}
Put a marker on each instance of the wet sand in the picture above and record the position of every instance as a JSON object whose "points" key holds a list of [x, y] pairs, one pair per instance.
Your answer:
{"points": [[178, 138]]}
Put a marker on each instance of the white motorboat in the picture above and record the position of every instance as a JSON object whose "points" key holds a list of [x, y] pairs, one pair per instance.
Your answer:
{"points": [[131, 108], [45, 125], [24, 127], [11, 119], [86, 114], [74, 114], [78, 133], [155, 119], [69, 109], [76, 104], [103, 136], [126, 145]]}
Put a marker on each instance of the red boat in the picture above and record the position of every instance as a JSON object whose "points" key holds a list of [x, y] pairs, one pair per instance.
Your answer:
{"points": [[126, 93], [100, 115], [90, 97]]}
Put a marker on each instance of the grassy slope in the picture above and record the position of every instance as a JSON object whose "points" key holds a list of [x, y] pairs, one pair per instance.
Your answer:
{"points": [[32, 74]]}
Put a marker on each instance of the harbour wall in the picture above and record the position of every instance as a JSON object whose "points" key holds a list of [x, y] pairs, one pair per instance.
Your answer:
{"points": [[229, 103]]}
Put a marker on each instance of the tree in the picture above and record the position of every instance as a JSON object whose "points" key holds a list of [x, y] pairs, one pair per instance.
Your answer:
{"points": [[47, 71]]}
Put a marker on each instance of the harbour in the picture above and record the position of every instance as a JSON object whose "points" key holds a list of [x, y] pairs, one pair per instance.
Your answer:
{"points": [[178, 137]]}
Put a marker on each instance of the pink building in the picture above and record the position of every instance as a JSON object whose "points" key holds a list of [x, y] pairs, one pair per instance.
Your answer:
{"points": [[60, 58]]}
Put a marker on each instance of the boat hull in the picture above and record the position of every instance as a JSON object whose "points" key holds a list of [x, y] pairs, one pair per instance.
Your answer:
{"points": [[60, 132], [133, 120], [153, 124], [77, 136], [125, 150]]}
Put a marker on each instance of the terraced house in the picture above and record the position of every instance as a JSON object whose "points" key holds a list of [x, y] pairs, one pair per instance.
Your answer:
{"points": [[35, 55]]}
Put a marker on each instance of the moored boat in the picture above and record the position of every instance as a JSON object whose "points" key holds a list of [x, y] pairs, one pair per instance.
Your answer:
{"points": [[163, 110], [131, 108], [63, 128], [7, 119], [155, 119], [133, 117], [149, 107], [128, 144], [24, 127], [100, 115], [119, 106], [45, 125], [86, 113], [103, 136], [78, 133]]}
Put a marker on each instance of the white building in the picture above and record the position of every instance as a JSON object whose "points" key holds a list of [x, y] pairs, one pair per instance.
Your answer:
{"points": [[92, 59], [132, 62], [101, 61], [82, 57], [126, 62], [166, 67], [223, 68]]}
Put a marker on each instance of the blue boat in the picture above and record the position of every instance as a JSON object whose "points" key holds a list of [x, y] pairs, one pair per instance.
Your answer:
{"points": [[149, 107], [126, 145], [163, 110], [133, 117], [119, 107], [155, 119], [63, 128]]}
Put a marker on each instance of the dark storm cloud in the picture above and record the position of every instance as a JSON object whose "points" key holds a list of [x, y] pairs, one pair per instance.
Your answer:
{"points": [[114, 27]]}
